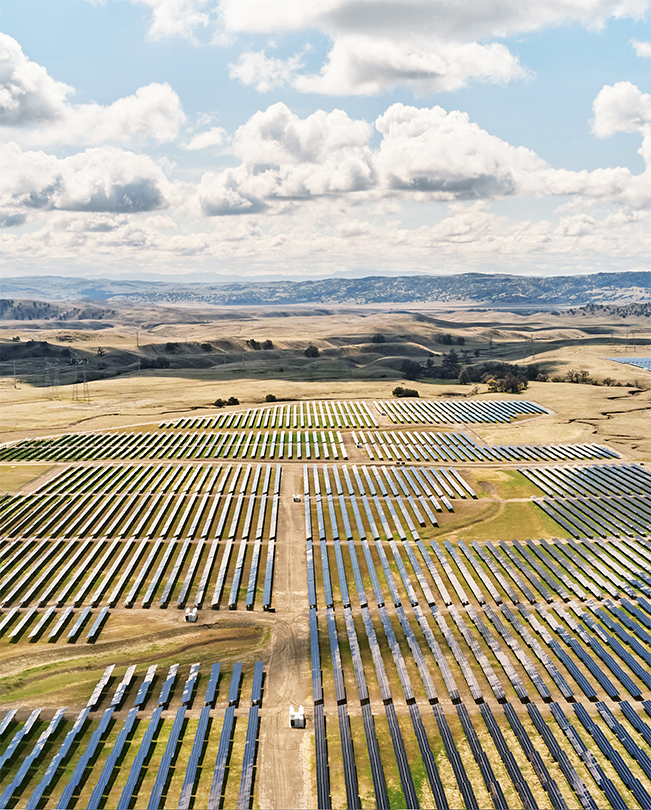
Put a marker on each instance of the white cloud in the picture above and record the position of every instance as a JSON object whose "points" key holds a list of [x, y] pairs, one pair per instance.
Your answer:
{"points": [[363, 65], [28, 94], [216, 136], [287, 158], [621, 107], [103, 179], [425, 154], [642, 49], [256, 69], [35, 107], [460, 20], [448, 156], [426, 46], [176, 17]]}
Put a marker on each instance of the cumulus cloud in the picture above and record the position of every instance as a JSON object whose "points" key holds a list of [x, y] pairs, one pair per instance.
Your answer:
{"points": [[642, 49], [104, 179], [424, 154], [427, 46], [216, 136], [37, 106], [377, 44], [621, 107], [176, 17], [461, 20], [28, 94], [284, 158], [265, 73], [447, 155], [362, 65]]}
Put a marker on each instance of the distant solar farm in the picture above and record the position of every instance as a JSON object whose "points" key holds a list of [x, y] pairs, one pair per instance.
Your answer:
{"points": [[442, 658], [640, 362]]}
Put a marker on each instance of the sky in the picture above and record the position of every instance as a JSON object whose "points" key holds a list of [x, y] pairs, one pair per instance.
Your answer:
{"points": [[224, 139]]}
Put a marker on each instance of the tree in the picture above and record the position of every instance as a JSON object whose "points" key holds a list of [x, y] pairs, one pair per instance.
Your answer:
{"points": [[267, 345], [232, 401], [311, 351], [270, 398], [410, 369], [464, 377], [100, 351], [378, 339]]}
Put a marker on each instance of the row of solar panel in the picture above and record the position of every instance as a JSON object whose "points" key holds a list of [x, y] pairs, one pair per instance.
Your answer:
{"points": [[177, 445], [456, 411], [324, 414], [428, 446]]}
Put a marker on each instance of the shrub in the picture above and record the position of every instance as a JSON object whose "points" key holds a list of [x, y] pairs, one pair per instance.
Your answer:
{"points": [[579, 376], [399, 391], [219, 403], [311, 351], [206, 347], [270, 398], [378, 339], [232, 401]]}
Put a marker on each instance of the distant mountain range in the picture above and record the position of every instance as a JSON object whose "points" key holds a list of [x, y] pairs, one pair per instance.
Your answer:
{"points": [[469, 289]]}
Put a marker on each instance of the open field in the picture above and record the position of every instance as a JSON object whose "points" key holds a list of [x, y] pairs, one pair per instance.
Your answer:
{"points": [[386, 596]]}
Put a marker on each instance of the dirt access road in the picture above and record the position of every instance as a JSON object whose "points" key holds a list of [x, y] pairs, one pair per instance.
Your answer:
{"points": [[284, 772]]}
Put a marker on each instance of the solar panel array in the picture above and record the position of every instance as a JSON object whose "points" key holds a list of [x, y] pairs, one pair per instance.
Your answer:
{"points": [[152, 756], [409, 445], [488, 603], [180, 445], [456, 411], [128, 549], [313, 414], [443, 671], [596, 501], [639, 362]]}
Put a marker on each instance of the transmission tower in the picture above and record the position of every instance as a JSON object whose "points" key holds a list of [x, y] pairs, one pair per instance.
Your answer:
{"points": [[80, 390], [52, 379]]}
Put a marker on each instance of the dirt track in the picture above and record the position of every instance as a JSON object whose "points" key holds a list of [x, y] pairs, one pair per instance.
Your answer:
{"points": [[284, 777]]}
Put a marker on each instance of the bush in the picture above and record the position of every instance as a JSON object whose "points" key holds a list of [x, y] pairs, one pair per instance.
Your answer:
{"points": [[399, 391], [270, 398], [219, 403], [311, 351], [253, 344], [206, 347], [579, 376], [171, 347], [162, 362], [232, 401], [378, 339]]}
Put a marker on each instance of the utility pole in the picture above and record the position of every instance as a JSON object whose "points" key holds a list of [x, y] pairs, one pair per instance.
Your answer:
{"points": [[15, 386]]}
